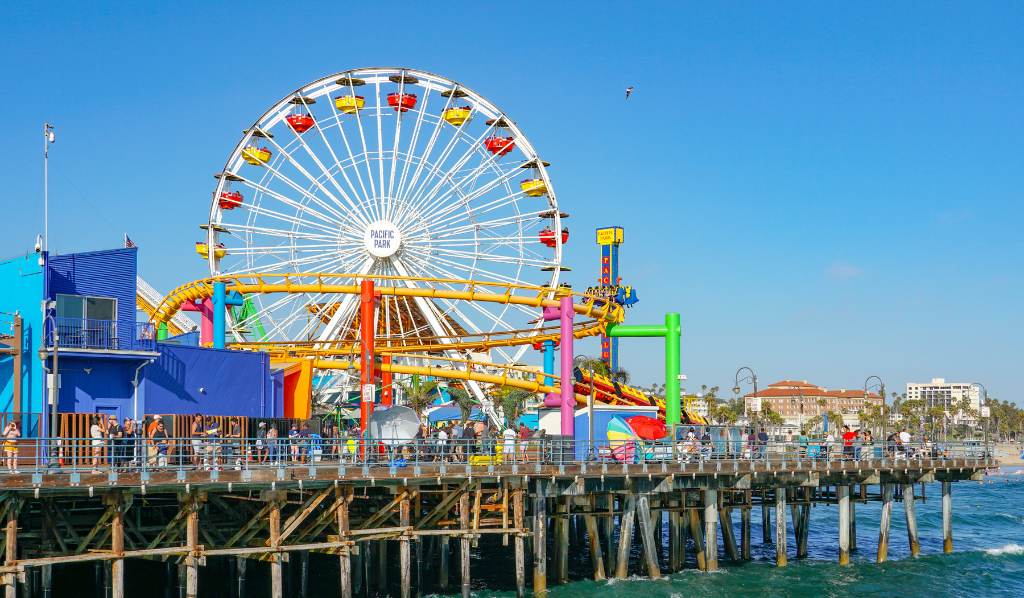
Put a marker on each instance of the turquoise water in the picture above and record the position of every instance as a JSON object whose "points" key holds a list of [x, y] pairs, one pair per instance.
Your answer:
{"points": [[988, 532]]}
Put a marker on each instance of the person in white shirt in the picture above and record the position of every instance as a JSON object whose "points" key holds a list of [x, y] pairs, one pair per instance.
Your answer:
{"points": [[442, 443], [509, 445]]}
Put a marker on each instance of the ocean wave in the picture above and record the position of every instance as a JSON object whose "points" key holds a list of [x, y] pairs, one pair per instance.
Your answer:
{"points": [[1007, 549]]}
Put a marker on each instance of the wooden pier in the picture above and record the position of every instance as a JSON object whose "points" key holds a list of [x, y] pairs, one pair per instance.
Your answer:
{"points": [[363, 516]]}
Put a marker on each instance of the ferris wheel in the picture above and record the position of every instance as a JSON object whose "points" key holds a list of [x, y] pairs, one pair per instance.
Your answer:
{"points": [[390, 172]]}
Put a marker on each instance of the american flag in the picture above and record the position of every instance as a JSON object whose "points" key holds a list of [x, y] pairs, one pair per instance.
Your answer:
{"points": [[128, 241]]}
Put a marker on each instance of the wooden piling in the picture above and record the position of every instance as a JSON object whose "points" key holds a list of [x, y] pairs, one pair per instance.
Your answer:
{"points": [[947, 517], [540, 558], [404, 552], [562, 510], [745, 533], [766, 519], [711, 529], [883, 526], [728, 537], [304, 574], [676, 542], [117, 545], [382, 565], [843, 493], [780, 527], [518, 541], [343, 498], [594, 540], [442, 575], [626, 523], [647, 536], [908, 508], [853, 521], [240, 567], [192, 538], [697, 533], [464, 544], [10, 580], [608, 523]]}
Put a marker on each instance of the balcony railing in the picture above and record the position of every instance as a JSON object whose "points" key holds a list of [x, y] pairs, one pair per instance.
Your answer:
{"points": [[109, 335]]}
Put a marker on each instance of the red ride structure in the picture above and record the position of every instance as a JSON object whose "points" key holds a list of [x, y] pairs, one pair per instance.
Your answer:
{"points": [[547, 236]]}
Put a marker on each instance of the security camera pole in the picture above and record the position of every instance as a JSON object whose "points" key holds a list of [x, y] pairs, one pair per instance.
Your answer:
{"points": [[48, 138]]}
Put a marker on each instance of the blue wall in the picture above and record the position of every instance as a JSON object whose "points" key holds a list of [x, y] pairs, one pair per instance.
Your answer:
{"points": [[108, 273], [22, 281], [97, 385], [233, 383]]}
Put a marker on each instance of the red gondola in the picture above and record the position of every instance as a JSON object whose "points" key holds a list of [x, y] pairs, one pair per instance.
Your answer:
{"points": [[547, 236], [499, 145], [300, 123], [402, 102], [230, 200]]}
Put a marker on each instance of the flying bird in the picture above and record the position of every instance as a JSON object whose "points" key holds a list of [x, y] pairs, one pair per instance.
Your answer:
{"points": [[629, 91]]}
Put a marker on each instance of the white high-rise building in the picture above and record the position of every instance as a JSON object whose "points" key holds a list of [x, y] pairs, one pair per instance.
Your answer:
{"points": [[948, 396]]}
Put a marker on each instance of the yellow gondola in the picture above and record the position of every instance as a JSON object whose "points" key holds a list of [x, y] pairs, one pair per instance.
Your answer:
{"points": [[202, 249], [534, 187], [456, 116], [349, 104], [255, 155]]}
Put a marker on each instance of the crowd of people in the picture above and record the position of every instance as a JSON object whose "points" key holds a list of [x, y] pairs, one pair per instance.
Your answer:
{"points": [[227, 442]]}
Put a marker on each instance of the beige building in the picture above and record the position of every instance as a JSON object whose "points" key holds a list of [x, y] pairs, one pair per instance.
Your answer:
{"points": [[798, 401]]}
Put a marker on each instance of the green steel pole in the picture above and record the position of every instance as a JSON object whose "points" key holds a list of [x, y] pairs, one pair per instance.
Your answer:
{"points": [[673, 331], [620, 330]]}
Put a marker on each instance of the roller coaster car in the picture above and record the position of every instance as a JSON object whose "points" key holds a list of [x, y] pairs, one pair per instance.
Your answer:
{"points": [[626, 296], [219, 250], [402, 102], [547, 236], [499, 145], [257, 156], [230, 200], [349, 104], [300, 123], [456, 116], [534, 187]]}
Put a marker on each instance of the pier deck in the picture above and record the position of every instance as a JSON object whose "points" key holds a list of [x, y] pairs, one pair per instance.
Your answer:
{"points": [[190, 518]]}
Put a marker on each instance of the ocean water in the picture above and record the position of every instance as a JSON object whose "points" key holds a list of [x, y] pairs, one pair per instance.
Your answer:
{"points": [[988, 535]]}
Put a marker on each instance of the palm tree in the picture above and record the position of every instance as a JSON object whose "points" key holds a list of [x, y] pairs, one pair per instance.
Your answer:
{"points": [[465, 402], [419, 395], [593, 364], [512, 402]]}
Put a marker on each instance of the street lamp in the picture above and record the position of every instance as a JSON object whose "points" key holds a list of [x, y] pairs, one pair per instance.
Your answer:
{"points": [[54, 385], [750, 377], [881, 390]]}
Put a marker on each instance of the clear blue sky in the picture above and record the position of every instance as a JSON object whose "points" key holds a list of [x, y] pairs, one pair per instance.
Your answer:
{"points": [[824, 190]]}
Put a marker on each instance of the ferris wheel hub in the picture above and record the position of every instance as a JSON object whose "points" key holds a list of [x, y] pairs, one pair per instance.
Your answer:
{"points": [[382, 239]]}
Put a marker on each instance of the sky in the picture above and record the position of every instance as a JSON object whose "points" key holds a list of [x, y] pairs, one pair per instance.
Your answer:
{"points": [[825, 191]]}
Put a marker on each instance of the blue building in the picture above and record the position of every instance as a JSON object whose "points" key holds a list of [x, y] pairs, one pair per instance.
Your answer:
{"points": [[78, 320]]}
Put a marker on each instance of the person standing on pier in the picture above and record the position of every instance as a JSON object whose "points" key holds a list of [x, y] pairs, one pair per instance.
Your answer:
{"points": [[96, 434], [196, 434], [115, 433], [848, 437], [160, 443], [11, 436], [261, 443]]}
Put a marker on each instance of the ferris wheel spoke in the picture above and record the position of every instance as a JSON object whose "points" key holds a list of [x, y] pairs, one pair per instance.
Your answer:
{"points": [[421, 195], [349, 203], [425, 156], [331, 330], [271, 249], [328, 224], [314, 180], [451, 216], [387, 199], [351, 154], [415, 140], [495, 223], [366, 152], [264, 231], [321, 260], [380, 144], [462, 195], [489, 257]]}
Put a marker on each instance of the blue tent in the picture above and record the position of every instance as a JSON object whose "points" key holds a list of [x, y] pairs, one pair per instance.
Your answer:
{"points": [[451, 412]]}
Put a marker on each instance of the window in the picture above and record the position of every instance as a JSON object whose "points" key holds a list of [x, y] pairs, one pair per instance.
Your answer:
{"points": [[89, 308]]}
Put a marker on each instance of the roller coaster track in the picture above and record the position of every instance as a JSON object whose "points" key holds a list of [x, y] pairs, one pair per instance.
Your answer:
{"points": [[597, 310]]}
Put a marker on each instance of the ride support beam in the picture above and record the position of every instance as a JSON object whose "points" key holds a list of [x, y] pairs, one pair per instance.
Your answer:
{"points": [[671, 332], [566, 399], [367, 334]]}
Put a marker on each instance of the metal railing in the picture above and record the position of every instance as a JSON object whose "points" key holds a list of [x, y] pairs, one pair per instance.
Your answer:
{"points": [[140, 454], [113, 335]]}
